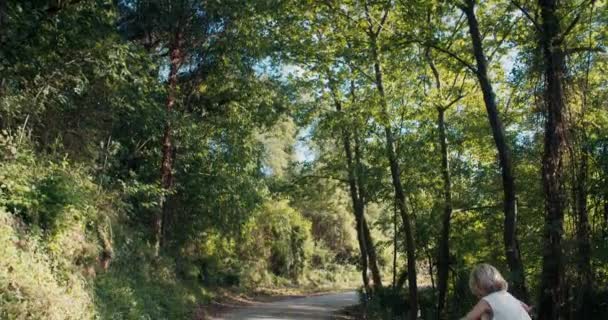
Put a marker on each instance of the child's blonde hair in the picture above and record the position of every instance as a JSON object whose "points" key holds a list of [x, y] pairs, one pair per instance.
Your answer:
{"points": [[486, 279]]}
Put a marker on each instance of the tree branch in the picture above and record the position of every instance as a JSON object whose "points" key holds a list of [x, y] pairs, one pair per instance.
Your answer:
{"points": [[367, 76], [570, 51], [570, 27], [443, 50], [451, 103], [370, 24], [384, 16], [337, 10], [491, 56], [476, 208], [453, 55], [527, 14], [573, 23]]}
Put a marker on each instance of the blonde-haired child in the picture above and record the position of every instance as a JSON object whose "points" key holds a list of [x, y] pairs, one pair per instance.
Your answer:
{"points": [[495, 302]]}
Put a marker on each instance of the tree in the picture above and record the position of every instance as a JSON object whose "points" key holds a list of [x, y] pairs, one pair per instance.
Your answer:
{"points": [[374, 29], [358, 194], [161, 26], [317, 48], [551, 302], [504, 155], [443, 259], [184, 34]]}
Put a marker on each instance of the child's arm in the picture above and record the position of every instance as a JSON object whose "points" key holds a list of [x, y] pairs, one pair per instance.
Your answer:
{"points": [[481, 311]]}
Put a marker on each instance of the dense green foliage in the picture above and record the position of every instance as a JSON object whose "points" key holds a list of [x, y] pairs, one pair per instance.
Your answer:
{"points": [[154, 151], [82, 115]]}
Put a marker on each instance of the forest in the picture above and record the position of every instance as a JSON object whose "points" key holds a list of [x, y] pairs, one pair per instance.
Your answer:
{"points": [[156, 152]]}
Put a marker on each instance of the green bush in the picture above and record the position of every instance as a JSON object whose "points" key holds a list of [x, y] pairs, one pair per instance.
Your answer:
{"points": [[57, 225], [54, 226], [146, 289], [279, 237], [30, 285], [60, 203]]}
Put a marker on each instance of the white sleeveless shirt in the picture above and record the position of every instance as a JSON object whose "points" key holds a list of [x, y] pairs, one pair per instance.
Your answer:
{"points": [[505, 306]]}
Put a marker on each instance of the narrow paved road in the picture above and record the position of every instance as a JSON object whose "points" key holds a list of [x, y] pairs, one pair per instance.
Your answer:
{"points": [[308, 308]]}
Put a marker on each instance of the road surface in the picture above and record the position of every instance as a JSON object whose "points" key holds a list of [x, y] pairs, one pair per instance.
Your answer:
{"points": [[308, 308]]}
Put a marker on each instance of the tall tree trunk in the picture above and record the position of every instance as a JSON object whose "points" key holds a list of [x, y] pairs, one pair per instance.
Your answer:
{"points": [[512, 252], [363, 253], [3, 21], [407, 225], [401, 279], [371, 253], [583, 231], [395, 234], [397, 185], [371, 248], [551, 302], [444, 249], [604, 152], [443, 257], [366, 245], [166, 170], [583, 227], [358, 206], [605, 222]]}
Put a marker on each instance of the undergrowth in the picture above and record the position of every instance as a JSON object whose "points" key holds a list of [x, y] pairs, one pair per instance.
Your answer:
{"points": [[71, 248]]}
